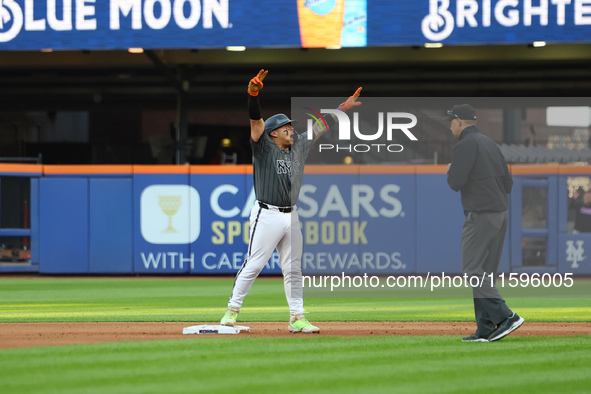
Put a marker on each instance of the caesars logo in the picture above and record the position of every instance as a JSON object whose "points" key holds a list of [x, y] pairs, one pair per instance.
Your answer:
{"points": [[170, 214], [69, 15], [440, 22], [389, 121]]}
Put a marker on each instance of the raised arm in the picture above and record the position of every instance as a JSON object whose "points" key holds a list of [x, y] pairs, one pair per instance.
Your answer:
{"points": [[333, 118], [257, 125]]}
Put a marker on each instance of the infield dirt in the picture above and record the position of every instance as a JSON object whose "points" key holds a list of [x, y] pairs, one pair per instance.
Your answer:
{"points": [[18, 335]]}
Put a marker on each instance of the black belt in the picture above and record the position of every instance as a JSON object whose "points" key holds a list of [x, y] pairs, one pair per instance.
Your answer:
{"points": [[281, 209]]}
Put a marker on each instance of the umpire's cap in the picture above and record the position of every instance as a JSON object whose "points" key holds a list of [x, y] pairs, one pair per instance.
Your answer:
{"points": [[462, 111], [277, 121]]}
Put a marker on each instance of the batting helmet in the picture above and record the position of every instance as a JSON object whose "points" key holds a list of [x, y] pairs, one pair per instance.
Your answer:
{"points": [[277, 121]]}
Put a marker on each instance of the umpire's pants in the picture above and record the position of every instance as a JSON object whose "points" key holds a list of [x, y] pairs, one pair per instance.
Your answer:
{"points": [[483, 235]]}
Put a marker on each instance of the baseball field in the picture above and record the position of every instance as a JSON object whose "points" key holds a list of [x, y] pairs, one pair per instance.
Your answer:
{"points": [[124, 335]]}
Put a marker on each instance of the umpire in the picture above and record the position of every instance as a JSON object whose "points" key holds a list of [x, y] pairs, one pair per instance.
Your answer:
{"points": [[479, 172]]}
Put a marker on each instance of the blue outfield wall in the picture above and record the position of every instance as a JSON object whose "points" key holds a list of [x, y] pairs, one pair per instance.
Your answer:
{"points": [[110, 207], [194, 220], [64, 225]]}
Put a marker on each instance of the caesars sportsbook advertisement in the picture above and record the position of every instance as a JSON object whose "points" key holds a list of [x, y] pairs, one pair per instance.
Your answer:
{"points": [[349, 223], [342, 223]]}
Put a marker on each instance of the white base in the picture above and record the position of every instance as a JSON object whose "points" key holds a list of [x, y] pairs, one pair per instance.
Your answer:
{"points": [[214, 329]]}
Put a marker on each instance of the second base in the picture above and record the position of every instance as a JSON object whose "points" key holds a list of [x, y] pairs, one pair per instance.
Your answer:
{"points": [[214, 329]]}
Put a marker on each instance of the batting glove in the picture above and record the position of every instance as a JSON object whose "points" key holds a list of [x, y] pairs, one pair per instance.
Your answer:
{"points": [[351, 101], [256, 84]]}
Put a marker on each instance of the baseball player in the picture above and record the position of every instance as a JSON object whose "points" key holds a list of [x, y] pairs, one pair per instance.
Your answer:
{"points": [[279, 156]]}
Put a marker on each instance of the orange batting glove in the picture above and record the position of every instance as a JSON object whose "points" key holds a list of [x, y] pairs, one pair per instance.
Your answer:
{"points": [[256, 84], [351, 101]]}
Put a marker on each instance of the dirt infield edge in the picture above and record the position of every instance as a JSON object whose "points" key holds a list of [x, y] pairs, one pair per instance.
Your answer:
{"points": [[19, 335]]}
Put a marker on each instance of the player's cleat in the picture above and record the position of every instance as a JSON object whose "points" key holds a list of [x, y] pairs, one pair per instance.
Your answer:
{"points": [[474, 338], [230, 317], [299, 323], [507, 326]]}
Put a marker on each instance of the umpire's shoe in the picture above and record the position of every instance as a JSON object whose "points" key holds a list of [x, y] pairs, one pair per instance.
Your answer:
{"points": [[230, 317], [474, 338], [507, 326]]}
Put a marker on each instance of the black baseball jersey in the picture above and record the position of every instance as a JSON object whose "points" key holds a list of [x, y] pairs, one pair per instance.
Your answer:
{"points": [[278, 172]]}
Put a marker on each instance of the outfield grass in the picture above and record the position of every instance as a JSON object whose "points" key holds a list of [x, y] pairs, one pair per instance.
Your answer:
{"points": [[436, 364], [192, 299], [310, 364]]}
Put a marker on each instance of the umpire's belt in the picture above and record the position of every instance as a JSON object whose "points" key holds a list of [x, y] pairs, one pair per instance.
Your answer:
{"points": [[274, 208]]}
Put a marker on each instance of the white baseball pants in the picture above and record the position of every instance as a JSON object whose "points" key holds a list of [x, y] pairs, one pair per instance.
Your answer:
{"points": [[270, 229]]}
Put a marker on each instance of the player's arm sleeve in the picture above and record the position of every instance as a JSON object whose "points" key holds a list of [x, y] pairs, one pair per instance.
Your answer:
{"points": [[462, 162], [257, 125], [331, 120], [322, 127]]}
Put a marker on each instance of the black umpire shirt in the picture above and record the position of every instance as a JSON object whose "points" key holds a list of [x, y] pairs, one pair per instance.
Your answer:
{"points": [[479, 171]]}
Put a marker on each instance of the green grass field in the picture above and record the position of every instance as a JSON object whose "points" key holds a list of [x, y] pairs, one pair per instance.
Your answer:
{"points": [[299, 363]]}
